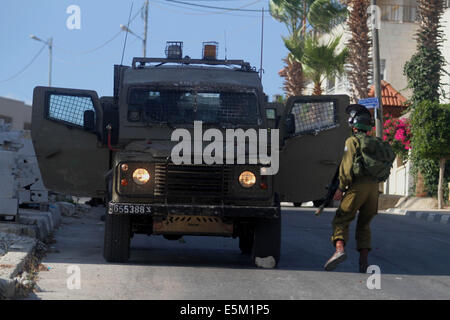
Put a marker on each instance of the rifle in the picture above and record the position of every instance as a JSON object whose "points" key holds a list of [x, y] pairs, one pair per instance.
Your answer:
{"points": [[332, 187]]}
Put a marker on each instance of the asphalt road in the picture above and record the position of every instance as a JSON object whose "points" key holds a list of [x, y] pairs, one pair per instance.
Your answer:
{"points": [[413, 256]]}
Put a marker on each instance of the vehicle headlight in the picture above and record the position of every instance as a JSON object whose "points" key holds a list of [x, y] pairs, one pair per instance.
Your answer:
{"points": [[141, 176], [247, 179]]}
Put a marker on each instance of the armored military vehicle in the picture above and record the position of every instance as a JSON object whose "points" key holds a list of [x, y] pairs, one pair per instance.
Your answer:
{"points": [[120, 148]]}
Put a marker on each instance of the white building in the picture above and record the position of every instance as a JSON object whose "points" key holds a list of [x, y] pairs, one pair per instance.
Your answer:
{"points": [[16, 113]]}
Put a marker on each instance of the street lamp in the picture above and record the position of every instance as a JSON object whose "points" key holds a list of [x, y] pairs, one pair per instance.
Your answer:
{"points": [[144, 39], [49, 43], [126, 29]]}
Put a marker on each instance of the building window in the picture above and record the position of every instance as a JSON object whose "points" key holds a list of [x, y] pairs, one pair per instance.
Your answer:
{"points": [[27, 126], [383, 69], [406, 12], [6, 118]]}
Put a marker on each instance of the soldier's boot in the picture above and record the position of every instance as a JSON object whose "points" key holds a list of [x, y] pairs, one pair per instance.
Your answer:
{"points": [[363, 262], [338, 257]]}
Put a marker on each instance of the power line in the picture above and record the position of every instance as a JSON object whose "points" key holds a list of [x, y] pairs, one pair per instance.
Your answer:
{"points": [[219, 8], [203, 12], [103, 44], [26, 67]]}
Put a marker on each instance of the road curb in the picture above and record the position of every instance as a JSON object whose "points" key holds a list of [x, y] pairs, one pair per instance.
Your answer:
{"points": [[32, 227], [12, 264], [442, 217]]}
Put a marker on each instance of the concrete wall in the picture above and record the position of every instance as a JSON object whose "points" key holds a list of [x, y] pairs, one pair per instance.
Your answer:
{"points": [[18, 111], [400, 181]]}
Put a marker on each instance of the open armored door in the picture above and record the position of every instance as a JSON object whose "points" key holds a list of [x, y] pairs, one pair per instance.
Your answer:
{"points": [[311, 152], [67, 149]]}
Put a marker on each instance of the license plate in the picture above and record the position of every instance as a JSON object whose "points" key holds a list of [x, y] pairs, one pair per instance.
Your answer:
{"points": [[129, 208]]}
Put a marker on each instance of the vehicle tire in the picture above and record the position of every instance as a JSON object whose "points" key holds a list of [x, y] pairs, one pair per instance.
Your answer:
{"points": [[318, 203], [246, 240], [297, 204], [117, 238], [267, 239]]}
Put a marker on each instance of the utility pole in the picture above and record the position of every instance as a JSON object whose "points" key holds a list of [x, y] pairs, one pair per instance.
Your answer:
{"points": [[378, 112], [145, 27], [49, 43], [50, 53]]}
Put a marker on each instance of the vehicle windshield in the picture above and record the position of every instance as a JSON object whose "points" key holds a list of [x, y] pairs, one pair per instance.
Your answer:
{"points": [[179, 106]]}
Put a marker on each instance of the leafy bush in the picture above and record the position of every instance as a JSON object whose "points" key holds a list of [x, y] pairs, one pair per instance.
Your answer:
{"points": [[431, 142], [431, 130]]}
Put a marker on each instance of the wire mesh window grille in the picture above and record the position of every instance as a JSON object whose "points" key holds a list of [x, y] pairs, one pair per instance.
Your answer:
{"points": [[314, 116], [69, 108], [188, 106]]}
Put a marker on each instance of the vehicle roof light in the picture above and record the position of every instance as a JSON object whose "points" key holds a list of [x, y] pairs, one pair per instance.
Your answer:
{"points": [[210, 50], [174, 49]]}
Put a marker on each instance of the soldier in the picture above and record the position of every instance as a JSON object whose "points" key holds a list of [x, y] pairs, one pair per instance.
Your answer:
{"points": [[359, 193]]}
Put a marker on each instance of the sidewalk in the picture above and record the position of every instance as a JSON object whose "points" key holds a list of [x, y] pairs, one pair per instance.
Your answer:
{"points": [[432, 215], [420, 208]]}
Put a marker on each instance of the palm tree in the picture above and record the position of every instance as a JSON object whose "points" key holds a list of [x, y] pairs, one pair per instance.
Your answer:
{"points": [[298, 16], [359, 45], [291, 14], [322, 61]]}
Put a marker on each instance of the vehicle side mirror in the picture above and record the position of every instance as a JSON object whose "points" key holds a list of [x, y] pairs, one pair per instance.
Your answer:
{"points": [[89, 120], [290, 124]]}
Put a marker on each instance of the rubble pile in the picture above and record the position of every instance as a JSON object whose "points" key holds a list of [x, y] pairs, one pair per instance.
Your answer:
{"points": [[19, 172]]}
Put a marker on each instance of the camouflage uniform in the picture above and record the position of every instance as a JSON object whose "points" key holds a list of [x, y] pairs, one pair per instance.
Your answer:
{"points": [[362, 195]]}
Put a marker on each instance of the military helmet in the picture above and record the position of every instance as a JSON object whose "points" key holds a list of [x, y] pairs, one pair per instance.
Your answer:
{"points": [[360, 117]]}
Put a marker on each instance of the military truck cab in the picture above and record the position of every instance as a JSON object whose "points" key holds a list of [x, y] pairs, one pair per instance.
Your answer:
{"points": [[121, 148]]}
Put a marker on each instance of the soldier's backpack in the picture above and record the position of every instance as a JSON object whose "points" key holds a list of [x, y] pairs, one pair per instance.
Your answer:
{"points": [[374, 158]]}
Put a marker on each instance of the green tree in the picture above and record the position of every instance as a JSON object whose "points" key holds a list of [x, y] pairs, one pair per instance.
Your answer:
{"points": [[424, 69], [431, 136], [320, 61], [301, 16], [423, 72]]}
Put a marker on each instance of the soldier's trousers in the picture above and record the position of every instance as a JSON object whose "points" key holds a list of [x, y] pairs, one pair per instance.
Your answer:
{"points": [[363, 196]]}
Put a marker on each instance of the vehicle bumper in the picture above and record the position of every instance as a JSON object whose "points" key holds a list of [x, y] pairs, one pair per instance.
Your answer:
{"points": [[198, 210]]}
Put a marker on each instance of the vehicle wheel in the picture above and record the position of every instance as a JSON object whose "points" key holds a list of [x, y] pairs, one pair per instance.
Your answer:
{"points": [[267, 240], [117, 238], [317, 203], [297, 204], [246, 241]]}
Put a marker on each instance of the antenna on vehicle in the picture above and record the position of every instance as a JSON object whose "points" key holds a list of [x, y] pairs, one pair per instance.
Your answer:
{"points": [[126, 35], [225, 32], [118, 68], [261, 70]]}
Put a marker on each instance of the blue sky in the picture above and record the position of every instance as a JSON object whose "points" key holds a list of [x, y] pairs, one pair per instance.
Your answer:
{"points": [[100, 20]]}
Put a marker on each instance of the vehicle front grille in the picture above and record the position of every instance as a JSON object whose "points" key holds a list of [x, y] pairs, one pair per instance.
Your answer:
{"points": [[191, 183]]}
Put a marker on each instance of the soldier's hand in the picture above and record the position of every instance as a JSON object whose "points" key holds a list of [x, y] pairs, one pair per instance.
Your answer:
{"points": [[338, 195]]}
